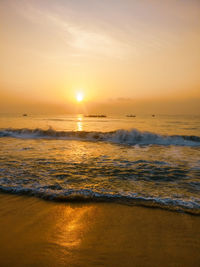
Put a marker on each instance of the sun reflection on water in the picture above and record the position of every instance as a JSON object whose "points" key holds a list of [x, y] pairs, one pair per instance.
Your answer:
{"points": [[79, 126], [79, 123]]}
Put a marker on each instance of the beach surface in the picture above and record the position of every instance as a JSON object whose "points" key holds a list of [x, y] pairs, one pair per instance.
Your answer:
{"points": [[35, 232]]}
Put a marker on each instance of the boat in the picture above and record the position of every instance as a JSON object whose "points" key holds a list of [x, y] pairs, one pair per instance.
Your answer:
{"points": [[131, 116], [95, 116]]}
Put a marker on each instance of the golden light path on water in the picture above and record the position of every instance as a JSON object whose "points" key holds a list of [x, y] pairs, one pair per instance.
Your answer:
{"points": [[79, 122]]}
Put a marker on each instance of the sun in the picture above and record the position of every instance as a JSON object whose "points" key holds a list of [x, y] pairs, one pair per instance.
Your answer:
{"points": [[79, 97]]}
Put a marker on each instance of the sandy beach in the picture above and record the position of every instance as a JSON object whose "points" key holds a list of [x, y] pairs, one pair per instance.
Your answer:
{"points": [[35, 232]]}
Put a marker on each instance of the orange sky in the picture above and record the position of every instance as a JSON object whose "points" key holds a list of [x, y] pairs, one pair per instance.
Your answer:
{"points": [[124, 55]]}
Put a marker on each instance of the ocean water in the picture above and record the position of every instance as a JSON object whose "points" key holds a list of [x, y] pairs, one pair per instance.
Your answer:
{"points": [[145, 160]]}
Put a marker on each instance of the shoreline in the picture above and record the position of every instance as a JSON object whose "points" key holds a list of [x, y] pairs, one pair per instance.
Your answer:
{"points": [[90, 199], [35, 232]]}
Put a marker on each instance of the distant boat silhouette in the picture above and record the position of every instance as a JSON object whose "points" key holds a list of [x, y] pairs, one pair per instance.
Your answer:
{"points": [[131, 115], [153, 115], [25, 115], [95, 116]]}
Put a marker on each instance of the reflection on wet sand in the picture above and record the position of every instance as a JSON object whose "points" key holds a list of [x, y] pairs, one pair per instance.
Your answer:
{"points": [[70, 226]]}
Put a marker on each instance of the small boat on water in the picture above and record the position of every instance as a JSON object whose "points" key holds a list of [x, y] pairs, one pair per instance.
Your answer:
{"points": [[131, 116], [153, 115], [24, 115], [95, 116]]}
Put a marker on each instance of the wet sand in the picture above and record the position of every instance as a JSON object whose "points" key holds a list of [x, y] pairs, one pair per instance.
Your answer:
{"points": [[34, 232]]}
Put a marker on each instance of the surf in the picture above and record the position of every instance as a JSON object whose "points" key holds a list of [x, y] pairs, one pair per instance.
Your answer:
{"points": [[122, 136]]}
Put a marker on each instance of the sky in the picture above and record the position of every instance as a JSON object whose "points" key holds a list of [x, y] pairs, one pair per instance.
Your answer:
{"points": [[123, 55]]}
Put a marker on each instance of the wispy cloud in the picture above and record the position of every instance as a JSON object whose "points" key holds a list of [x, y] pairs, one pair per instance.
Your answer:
{"points": [[81, 39]]}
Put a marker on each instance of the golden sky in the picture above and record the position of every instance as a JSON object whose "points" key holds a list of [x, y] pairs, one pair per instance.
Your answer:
{"points": [[119, 53]]}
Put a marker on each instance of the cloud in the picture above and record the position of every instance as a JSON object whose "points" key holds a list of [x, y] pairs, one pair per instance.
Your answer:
{"points": [[80, 38]]}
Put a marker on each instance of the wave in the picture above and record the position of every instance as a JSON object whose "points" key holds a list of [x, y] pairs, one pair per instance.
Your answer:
{"points": [[87, 195], [125, 137]]}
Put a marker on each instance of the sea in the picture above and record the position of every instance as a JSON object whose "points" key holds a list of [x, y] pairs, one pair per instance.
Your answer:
{"points": [[151, 161]]}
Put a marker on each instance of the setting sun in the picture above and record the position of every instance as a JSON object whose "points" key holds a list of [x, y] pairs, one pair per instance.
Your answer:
{"points": [[79, 97]]}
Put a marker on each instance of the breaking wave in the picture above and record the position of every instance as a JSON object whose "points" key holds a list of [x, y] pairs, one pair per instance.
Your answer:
{"points": [[87, 195], [124, 137]]}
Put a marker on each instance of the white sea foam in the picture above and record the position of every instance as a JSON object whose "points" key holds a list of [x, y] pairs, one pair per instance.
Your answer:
{"points": [[125, 137], [191, 206]]}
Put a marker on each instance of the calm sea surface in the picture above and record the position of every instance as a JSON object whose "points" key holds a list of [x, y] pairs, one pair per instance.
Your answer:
{"points": [[150, 161]]}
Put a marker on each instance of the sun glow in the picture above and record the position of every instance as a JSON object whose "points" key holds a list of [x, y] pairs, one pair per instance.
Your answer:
{"points": [[79, 97]]}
